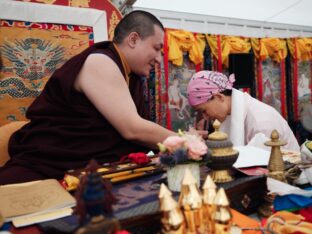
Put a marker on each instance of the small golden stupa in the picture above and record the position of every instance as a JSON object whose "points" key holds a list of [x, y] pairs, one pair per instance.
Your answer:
{"points": [[197, 212], [222, 216], [276, 164], [276, 168], [222, 154]]}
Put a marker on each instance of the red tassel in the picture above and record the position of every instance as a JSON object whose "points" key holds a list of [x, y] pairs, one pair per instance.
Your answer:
{"points": [[295, 89], [259, 80], [166, 68], [198, 67], [139, 158], [157, 93], [311, 79], [283, 89], [90, 30], [219, 53], [122, 232], [295, 83]]}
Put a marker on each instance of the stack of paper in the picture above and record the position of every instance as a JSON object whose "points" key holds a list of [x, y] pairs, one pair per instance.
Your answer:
{"points": [[250, 156], [34, 202]]}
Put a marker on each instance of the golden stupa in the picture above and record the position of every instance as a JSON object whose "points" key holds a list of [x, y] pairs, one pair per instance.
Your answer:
{"points": [[222, 155], [276, 164]]}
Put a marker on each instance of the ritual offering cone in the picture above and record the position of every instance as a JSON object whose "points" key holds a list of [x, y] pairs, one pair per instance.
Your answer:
{"points": [[209, 194], [191, 203], [172, 218], [222, 215]]}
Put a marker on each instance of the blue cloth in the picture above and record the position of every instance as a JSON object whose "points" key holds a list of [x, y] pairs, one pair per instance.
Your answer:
{"points": [[135, 196], [292, 201], [5, 227]]}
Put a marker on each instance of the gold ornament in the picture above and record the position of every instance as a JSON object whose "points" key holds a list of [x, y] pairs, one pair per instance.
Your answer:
{"points": [[222, 154], [276, 171]]}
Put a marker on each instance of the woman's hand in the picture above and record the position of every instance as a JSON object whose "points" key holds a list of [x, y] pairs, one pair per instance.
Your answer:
{"points": [[202, 133]]}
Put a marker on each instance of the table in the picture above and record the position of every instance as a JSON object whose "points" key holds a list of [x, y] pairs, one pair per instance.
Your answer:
{"points": [[137, 208]]}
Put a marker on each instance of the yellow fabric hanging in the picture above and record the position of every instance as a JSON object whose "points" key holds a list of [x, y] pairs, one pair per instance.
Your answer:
{"points": [[229, 45], [255, 44], [180, 41], [274, 48], [213, 44], [303, 48], [197, 49]]}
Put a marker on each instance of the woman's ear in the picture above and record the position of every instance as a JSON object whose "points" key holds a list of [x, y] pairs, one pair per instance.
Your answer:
{"points": [[133, 37], [219, 96]]}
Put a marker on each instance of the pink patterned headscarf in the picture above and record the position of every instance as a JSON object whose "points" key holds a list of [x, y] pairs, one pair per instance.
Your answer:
{"points": [[204, 84]]}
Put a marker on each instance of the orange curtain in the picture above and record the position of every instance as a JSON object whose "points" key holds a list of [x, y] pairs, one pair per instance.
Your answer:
{"points": [[180, 41], [229, 45], [300, 48], [275, 48]]}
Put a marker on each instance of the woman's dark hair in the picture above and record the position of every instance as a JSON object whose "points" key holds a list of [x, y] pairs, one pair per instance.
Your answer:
{"points": [[141, 22], [227, 92]]}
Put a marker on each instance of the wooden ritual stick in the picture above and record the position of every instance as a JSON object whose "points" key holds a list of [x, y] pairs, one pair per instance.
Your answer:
{"points": [[125, 177]]}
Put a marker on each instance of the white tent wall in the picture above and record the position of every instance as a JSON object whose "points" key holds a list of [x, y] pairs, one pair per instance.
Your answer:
{"points": [[249, 18], [37, 12]]}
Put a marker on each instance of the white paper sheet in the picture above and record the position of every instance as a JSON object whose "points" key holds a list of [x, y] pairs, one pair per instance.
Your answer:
{"points": [[281, 188], [250, 156], [39, 218], [29, 199]]}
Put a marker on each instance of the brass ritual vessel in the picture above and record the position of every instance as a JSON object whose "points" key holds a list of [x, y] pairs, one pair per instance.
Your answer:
{"points": [[276, 171], [276, 164], [222, 155]]}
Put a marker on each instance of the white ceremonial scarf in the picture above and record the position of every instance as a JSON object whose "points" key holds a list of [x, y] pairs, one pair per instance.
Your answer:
{"points": [[234, 124]]}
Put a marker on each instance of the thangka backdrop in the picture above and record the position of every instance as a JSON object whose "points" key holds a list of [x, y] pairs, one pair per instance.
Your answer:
{"points": [[167, 98], [304, 90], [30, 52], [182, 116], [271, 81]]}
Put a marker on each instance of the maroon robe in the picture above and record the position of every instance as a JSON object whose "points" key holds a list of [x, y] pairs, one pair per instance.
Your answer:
{"points": [[66, 130]]}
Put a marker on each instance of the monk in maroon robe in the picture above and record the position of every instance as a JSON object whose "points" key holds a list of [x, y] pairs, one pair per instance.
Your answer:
{"points": [[92, 107]]}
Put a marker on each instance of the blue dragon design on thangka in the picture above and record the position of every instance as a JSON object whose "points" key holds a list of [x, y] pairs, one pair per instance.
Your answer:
{"points": [[32, 59]]}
